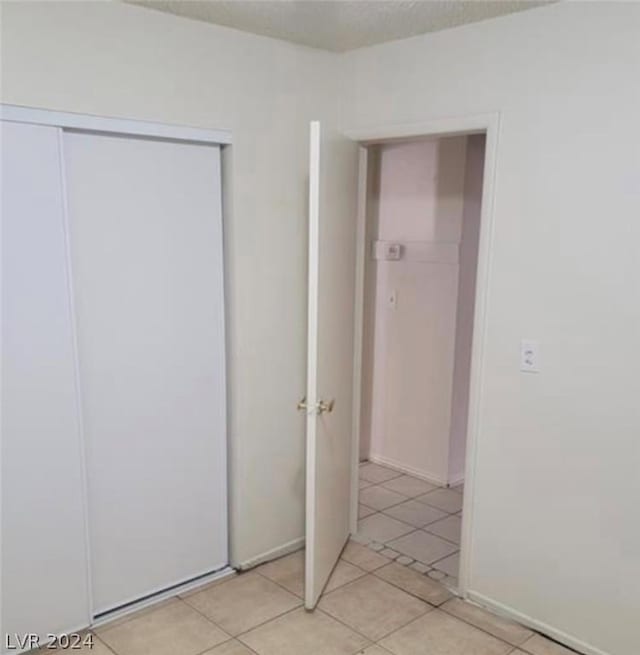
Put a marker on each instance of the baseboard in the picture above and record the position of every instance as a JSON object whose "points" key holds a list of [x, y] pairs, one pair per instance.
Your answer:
{"points": [[403, 468], [274, 553], [538, 626], [456, 480]]}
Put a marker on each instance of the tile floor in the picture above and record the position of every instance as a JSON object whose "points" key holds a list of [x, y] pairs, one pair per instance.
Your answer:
{"points": [[371, 606], [411, 521]]}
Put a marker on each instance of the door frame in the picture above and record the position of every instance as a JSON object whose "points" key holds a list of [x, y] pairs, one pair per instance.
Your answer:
{"points": [[162, 132], [488, 124]]}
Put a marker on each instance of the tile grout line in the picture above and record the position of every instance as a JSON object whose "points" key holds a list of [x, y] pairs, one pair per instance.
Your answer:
{"points": [[318, 609], [406, 591], [336, 588], [263, 623], [416, 527], [387, 545], [407, 498], [473, 625], [453, 616], [197, 611], [156, 606], [375, 641], [422, 528], [104, 643]]}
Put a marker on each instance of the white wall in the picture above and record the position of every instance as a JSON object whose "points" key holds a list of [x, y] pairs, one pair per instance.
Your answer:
{"points": [[119, 60], [558, 452], [556, 535]]}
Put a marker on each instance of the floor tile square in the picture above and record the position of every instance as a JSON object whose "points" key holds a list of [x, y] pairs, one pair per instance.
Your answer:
{"points": [[416, 513], [232, 647], [286, 571], [389, 553], [458, 488], [509, 631], [343, 573], [448, 528], [364, 511], [444, 499], [376, 473], [95, 647], [380, 498], [311, 633], [174, 627], [409, 486], [363, 557], [539, 645], [209, 585], [437, 633], [374, 650], [424, 547], [244, 602], [383, 528], [413, 583], [420, 567], [372, 607], [363, 484], [449, 565]]}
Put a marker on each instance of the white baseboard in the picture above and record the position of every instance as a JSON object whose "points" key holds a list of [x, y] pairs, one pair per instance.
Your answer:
{"points": [[274, 553], [403, 468], [538, 626], [455, 480]]}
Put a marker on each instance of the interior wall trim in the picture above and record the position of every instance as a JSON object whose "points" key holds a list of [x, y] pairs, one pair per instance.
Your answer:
{"points": [[280, 551], [91, 123]]}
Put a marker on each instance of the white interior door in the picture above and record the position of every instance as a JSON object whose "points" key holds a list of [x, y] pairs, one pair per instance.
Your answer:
{"points": [[146, 245], [332, 265]]}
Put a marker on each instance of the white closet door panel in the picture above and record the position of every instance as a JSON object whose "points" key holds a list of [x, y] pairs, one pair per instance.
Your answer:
{"points": [[146, 242], [44, 568]]}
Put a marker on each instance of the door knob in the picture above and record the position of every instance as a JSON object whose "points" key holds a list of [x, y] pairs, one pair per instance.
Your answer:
{"points": [[324, 406], [321, 407]]}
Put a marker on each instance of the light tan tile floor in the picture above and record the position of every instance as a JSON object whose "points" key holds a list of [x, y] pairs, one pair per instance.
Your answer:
{"points": [[371, 606], [411, 521]]}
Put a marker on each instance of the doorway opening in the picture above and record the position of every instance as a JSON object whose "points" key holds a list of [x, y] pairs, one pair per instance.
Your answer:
{"points": [[422, 201]]}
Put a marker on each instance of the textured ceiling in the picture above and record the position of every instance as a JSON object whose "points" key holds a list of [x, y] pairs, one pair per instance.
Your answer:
{"points": [[339, 25]]}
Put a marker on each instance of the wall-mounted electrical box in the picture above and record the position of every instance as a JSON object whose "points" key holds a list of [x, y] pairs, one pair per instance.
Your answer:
{"points": [[387, 250]]}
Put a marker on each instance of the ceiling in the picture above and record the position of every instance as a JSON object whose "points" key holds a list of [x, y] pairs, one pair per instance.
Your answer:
{"points": [[339, 25]]}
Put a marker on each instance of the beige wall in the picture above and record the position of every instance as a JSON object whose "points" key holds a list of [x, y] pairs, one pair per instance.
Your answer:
{"points": [[558, 452], [119, 60], [419, 203]]}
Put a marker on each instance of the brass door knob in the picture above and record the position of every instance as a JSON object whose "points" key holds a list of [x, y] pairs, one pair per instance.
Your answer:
{"points": [[324, 406]]}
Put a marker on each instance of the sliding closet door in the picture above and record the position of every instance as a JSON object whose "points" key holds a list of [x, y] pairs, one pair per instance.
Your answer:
{"points": [[146, 244], [43, 532]]}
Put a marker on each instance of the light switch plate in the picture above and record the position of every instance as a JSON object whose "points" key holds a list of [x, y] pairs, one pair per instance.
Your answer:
{"points": [[529, 356]]}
